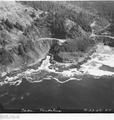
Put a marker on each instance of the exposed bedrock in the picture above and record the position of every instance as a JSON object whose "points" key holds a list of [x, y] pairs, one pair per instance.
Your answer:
{"points": [[19, 34], [28, 33]]}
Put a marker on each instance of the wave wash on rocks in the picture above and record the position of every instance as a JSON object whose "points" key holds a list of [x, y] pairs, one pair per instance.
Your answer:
{"points": [[19, 44], [28, 32]]}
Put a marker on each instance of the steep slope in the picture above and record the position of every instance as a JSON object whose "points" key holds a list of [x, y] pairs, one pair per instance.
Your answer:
{"points": [[19, 45], [31, 30]]}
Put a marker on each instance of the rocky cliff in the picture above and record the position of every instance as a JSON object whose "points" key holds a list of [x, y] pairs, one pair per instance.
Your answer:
{"points": [[31, 30]]}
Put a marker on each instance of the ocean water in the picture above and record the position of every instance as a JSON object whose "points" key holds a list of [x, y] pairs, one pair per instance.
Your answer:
{"points": [[47, 89], [90, 93]]}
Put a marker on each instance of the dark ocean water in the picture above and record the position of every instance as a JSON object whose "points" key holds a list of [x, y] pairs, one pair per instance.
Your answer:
{"points": [[89, 93]]}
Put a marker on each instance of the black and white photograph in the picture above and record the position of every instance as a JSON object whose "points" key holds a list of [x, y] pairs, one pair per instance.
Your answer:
{"points": [[56, 56]]}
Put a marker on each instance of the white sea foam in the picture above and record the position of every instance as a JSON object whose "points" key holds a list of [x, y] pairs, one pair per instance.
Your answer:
{"points": [[45, 65], [61, 82], [104, 55], [71, 72], [68, 73], [70, 79]]}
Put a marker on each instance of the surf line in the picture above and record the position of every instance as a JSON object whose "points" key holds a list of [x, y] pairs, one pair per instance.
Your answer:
{"points": [[53, 78]]}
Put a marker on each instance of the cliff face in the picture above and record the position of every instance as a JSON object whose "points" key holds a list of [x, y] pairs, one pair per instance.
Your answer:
{"points": [[31, 30], [19, 34]]}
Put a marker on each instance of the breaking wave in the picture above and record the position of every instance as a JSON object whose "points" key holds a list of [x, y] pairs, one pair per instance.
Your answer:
{"points": [[99, 64], [104, 56]]}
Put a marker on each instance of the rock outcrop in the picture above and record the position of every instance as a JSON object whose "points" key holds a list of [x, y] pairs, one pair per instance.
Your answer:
{"points": [[31, 30], [19, 34]]}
